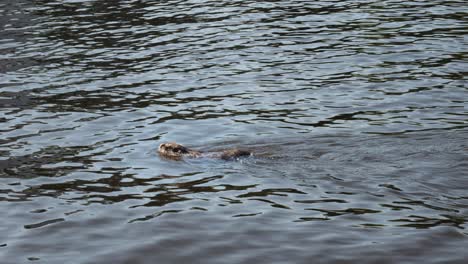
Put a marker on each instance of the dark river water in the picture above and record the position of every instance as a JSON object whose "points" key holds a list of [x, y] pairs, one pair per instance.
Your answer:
{"points": [[355, 112]]}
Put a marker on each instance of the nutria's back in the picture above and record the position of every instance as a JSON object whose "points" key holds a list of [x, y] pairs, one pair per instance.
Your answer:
{"points": [[234, 153], [176, 151]]}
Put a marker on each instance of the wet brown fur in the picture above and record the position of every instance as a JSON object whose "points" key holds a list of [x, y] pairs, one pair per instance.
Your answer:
{"points": [[176, 151]]}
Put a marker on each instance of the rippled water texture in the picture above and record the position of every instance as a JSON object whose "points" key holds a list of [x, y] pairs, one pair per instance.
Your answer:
{"points": [[355, 111]]}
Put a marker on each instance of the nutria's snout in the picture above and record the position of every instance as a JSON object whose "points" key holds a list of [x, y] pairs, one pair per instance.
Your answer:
{"points": [[163, 147], [172, 149]]}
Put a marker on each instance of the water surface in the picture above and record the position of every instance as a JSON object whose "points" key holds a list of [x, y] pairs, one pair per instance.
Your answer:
{"points": [[355, 111]]}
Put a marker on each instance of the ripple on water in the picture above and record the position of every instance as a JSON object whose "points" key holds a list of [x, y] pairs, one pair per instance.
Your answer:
{"points": [[355, 111]]}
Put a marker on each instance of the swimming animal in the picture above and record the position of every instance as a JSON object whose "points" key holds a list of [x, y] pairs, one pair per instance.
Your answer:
{"points": [[176, 151]]}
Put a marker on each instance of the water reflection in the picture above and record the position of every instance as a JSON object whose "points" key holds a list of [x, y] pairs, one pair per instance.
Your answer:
{"points": [[316, 185], [355, 111]]}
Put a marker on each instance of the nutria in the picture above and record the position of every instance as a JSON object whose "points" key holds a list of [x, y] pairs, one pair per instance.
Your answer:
{"points": [[176, 151]]}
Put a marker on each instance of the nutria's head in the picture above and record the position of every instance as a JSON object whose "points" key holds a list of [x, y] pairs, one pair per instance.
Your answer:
{"points": [[172, 149]]}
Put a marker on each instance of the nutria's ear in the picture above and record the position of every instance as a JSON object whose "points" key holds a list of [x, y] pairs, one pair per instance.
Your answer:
{"points": [[180, 149]]}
